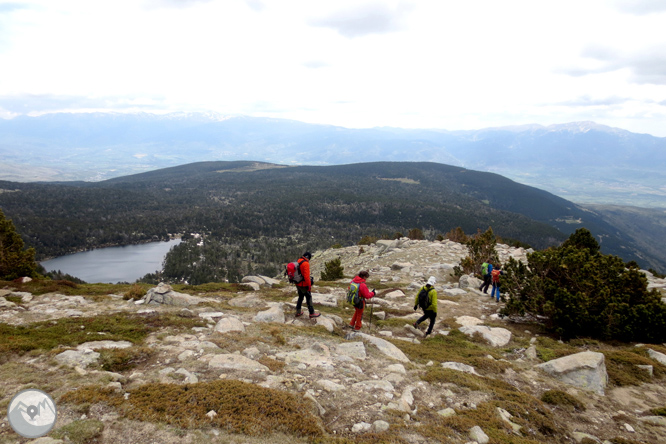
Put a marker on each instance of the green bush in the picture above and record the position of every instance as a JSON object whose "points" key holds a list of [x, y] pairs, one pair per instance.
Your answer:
{"points": [[368, 240], [416, 234], [583, 293], [15, 261], [333, 270], [481, 248]]}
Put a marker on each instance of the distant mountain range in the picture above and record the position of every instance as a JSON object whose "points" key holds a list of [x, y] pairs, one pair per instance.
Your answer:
{"points": [[583, 162]]}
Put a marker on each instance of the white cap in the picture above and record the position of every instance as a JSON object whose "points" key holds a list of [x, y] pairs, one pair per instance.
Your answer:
{"points": [[432, 280]]}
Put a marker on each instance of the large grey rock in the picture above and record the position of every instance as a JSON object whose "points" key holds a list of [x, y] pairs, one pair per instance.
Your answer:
{"points": [[77, 358], [235, 362], [654, 420], [468, 320], [164, 294], [98, 345], [330, 386], [657, 356], [229, 324], [273, 314], [495, 336], [269, 281], [256, 279], [477, 434], [384, 346], [401, 266], [469, 281], [506, 417], [253, 286], [4, 303], [459, 366], [395, 294], [354, 350], [586, 370], [327, 323]]}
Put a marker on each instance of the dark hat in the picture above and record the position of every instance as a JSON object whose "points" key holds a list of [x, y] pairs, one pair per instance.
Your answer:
{"points": [[307, 255]]}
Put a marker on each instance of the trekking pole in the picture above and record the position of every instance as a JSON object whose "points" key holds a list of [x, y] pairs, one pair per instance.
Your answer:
{"points": [[371, 308]]}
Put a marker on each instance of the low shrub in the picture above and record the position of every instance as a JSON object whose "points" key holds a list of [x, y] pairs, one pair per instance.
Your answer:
{"points": [[123, 359], [83, 431], [240, 407], [560, 398]]}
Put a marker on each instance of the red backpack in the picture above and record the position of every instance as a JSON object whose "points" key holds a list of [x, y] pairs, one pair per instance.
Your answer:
{"points": [[293, 272], [496, 274]]}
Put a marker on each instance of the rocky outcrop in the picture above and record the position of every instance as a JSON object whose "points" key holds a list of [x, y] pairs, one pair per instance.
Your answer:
{"points": [[164, 294]]}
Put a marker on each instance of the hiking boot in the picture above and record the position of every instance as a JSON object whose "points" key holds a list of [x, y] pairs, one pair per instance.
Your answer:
{"points": [[315, 315], [416, 325], [299, 313]]}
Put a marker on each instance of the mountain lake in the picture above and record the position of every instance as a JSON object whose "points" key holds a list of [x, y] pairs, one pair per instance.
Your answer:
{"points": [[113, 264]]}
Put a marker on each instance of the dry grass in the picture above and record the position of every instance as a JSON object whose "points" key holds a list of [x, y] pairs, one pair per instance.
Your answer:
{"points": [[70, 332], [240, 407], [454, 347], [562, 399]]}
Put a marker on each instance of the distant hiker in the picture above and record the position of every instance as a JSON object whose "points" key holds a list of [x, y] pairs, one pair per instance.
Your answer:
{"points": [[486, 270], [304, 287], [495, 277], [358, 285], [426, 298]]}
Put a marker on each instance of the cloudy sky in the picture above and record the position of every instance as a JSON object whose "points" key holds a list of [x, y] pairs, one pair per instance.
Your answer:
{"points": [[355, 63]]}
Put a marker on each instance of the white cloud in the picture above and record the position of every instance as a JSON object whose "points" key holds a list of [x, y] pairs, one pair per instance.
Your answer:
{"points": [[365, 19], [423, 63]]}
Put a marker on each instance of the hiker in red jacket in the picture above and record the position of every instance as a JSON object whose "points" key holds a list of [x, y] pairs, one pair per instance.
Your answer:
{"points": [[304, 287], [364, 293]]}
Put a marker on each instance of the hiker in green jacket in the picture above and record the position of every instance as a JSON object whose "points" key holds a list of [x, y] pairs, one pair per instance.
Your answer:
{"points": [[429, 306]]}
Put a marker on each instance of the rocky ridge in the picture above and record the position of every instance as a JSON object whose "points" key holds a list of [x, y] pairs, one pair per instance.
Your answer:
{"points": [[359, 382]]}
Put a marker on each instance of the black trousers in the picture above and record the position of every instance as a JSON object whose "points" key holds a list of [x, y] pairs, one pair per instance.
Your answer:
{"points": [[486, 283], [303, 292], [428, 314]]}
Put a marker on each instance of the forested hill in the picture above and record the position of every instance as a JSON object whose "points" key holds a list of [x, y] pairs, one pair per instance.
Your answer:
{"points": [[308, 205]]}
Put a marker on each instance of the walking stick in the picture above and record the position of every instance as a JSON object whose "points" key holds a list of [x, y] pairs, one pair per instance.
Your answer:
{"points": [[371, 308]]}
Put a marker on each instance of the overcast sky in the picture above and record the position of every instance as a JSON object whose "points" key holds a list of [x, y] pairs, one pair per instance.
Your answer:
{"points": [[414, 64]]}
